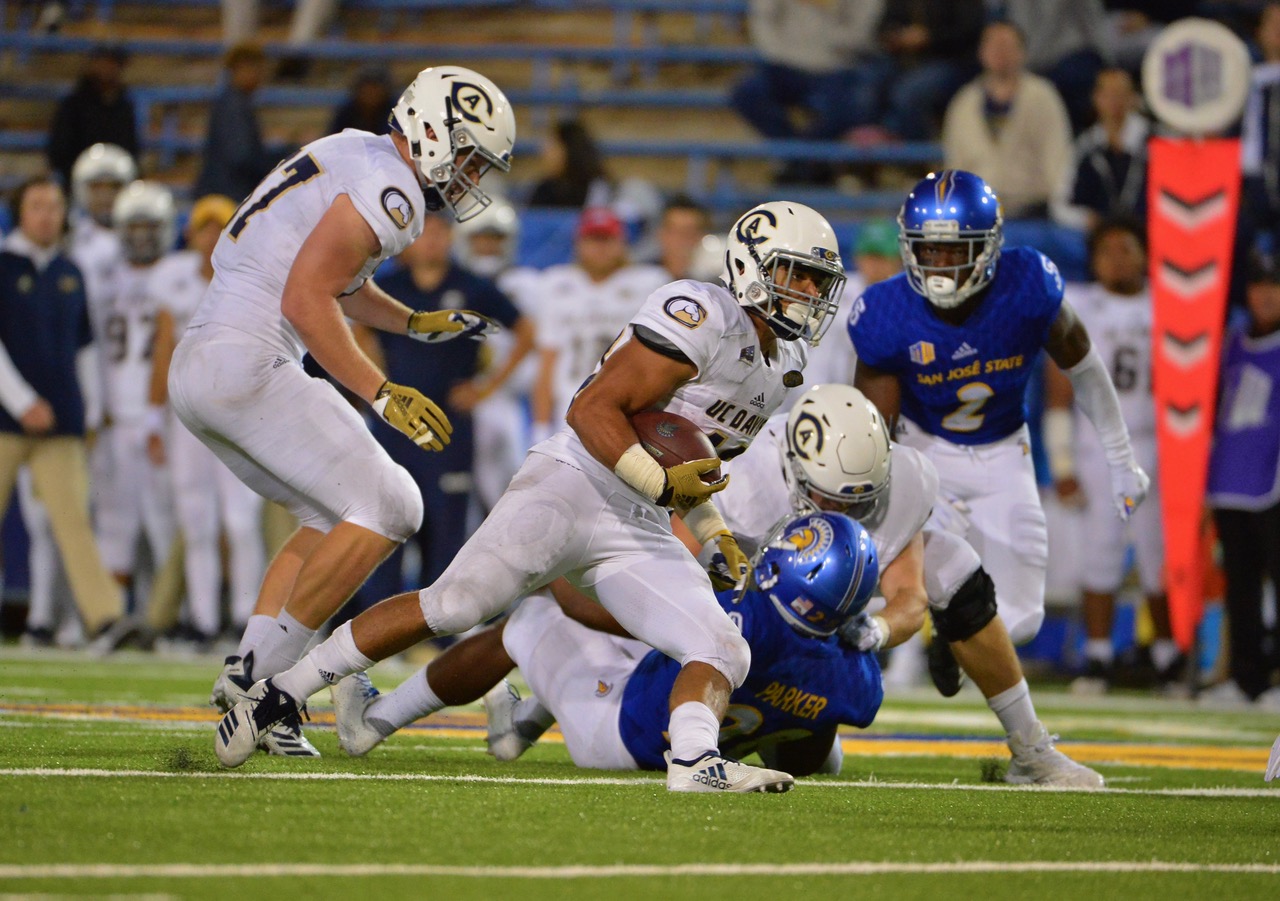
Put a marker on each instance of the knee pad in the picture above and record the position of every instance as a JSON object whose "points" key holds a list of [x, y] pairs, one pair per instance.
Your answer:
{"points": [[969, 610], [731, 656], [391, 506]]}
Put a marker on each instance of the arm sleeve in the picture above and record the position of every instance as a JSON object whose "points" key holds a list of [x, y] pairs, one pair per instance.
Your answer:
{"points": [[15, 394], [1096, 397]]}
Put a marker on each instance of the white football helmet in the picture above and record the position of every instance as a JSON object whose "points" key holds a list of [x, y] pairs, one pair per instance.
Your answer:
{"points": [[767, 249], [458, 124], [838, 446], [145, 219], [499, 219], [100, 163]]}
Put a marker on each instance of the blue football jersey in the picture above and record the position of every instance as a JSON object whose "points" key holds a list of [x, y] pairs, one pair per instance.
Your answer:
{"points": [[796, 687], [964, 383]]}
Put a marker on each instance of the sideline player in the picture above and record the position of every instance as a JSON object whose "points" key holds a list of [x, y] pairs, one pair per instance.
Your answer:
{"points": [[294, 261], [590, 504], [944, 352], [609, 693]]}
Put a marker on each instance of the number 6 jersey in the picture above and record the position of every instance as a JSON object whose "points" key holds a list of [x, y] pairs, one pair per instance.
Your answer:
{"points": [[964, 383], [257, 248]]}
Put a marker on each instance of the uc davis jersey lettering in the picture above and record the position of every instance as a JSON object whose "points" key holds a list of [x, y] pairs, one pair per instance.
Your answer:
{"points": [[962, 382]]}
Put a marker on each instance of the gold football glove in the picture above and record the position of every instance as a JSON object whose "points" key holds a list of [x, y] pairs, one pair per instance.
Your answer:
{"points": [[410, 411], [685, 488], [445, 325], [729, 565]]}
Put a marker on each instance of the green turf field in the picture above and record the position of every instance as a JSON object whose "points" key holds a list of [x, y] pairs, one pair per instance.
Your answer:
{"points": [[109, 786]]}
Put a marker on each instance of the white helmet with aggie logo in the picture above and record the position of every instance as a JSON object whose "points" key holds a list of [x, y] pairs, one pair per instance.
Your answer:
{"points": [[774, 248], [458, 124], [839, 449]]}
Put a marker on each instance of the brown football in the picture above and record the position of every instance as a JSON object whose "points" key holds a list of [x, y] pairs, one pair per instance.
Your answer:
{"points": [[670, 439]]}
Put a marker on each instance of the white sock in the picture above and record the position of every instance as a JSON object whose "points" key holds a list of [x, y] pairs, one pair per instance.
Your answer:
{"points": [[531, 719], [332, 659], [694, 731], [281, 646], [411, 700], [1014, 709], [1101, 650], [1163, 652], [257, 627]]}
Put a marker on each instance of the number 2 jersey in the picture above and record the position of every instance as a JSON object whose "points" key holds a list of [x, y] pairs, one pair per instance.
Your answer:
{"points": [[257, 248], [964, 383], [796, 687]]}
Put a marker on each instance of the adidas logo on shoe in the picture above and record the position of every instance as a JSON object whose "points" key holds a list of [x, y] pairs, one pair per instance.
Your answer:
{"points": [[713, 776]]}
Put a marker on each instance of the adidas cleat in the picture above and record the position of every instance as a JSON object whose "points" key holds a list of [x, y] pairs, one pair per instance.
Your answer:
{"points": [[504, 741], [714, 773], [351, 698], [246, 724], [1037, 762], [287, 740], [235, 679]]}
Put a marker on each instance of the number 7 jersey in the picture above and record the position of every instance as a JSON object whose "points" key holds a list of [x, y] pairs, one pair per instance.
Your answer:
{"points": [[257, 248], [964, 383]]}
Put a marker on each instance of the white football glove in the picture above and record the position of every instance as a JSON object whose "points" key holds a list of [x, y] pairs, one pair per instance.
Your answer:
{"points": [[445, 325], [866, 633], [1129, 486]]}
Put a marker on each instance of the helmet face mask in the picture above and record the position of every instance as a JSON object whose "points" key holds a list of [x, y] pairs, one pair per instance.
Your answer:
{"points": [[145, 220], [839, 450], [458, 125], [98, 175], [781, 261], [950, 232]]}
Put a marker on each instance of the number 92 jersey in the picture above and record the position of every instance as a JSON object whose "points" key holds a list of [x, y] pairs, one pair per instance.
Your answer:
{"points": [[257, 248], [964, 383]]}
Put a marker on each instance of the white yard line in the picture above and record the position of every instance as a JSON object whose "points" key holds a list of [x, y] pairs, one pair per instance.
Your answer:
{"points": [[638, 781], [257, 871]]}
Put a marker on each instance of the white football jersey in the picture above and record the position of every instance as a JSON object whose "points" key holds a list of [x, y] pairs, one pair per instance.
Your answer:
{"points": [[736, 388], [177, 285], [579, 319], [1120, 328], [257, 248], [762, 492], [128, 336], [98, 252]]}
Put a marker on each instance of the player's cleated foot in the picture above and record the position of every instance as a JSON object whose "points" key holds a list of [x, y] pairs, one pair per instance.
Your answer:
{"points": [[713, 773], [351, 698], [232, 683], [250, 721], [286, 739], [1037, 762], [504, 741], [943, 668]]}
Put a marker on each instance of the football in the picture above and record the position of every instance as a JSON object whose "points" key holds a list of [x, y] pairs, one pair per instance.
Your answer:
{"points": [[670, 439]]}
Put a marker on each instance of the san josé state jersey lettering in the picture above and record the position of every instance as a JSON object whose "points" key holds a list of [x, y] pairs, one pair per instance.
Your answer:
{"points": [[964, 383], [796, 687]]}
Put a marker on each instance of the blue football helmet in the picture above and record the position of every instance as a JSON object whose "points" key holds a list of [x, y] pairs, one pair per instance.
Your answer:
{"points": [[818, 571], [948, 210]]}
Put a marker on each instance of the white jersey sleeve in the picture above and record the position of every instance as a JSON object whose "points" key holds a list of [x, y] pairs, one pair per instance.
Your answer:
{"points": [[176, 286]]}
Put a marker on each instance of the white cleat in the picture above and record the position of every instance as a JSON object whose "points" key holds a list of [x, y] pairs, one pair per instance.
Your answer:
{"points": [[245, 725], [286, 740], [504, 742], [351, 698], [232, 683], [713, 773], [1037, 762]]}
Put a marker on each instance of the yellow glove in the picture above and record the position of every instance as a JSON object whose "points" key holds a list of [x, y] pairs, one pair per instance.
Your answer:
{"points": [[685, 488], [408, 410], [445, 325], [729, 565]]}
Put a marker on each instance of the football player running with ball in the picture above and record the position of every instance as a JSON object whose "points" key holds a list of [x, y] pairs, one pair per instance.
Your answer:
{"points": [[289, 269], [591, 504], [945, 350]]}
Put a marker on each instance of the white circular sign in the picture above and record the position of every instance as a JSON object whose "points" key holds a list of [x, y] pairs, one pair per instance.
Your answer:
{"points": [[1195, 76]]}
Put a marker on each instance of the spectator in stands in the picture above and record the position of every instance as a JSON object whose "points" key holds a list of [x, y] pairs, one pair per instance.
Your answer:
{"points": [[98, 110], [368, 106], [1009, 126], [1066, 42], [1110, 175], [431, 281], [310, 18], [45, 355], [1244, 488], [929, 52], [235, 159], [1260, 141], [683, 225], [812, 67]]}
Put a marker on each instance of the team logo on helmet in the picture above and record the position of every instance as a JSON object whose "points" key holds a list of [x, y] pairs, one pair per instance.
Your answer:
{"points": [[750, 225], [686, 311], [825, 255], [807, 436], [603, 688], [397, 206], [811, 538], [472, 103]]}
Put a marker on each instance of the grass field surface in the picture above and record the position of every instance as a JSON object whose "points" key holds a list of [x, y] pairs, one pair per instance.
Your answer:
{"points": [[109, 787]]}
